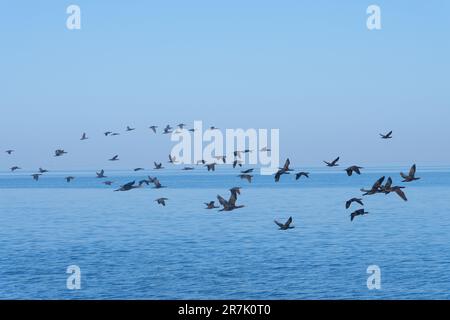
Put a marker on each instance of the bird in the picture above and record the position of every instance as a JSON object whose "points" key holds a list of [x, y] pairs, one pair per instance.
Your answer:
{"points": [[9, 151], [349, 202], [15, 168], [101, 174], [153, 128], [115, 158], [42, 170], [157, 183], [265, 149], [376, 188], [223, 158], [213, 128], [247, 171], [237, 163], [172, 159], [359, 212], [167, 129], [138, 169], [59, 152], [386, 136], [130, 129], [181, 125], [127, 187], [36, 176], [284, 170], [162, 201], [411, 175], [354, 169], [246, 176], [286, 225], [388, 188], [301, 174], [108, 183], [211, 205], [107, 133], [115, 134], [158, 166], [230, 205], [84, 136], [201, 162], [187, 168], [333, 163], [69, 178], [211, 166]]}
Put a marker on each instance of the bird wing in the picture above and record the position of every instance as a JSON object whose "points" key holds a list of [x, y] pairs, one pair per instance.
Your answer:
{"points": [[412, 171], [401, 194], [378, 183], [278, 224], [287, 164], [288, 222], [222, 201], [335, 161]]}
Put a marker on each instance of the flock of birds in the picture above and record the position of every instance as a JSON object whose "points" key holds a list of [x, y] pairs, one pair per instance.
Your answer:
{"points": [[230, 204]]}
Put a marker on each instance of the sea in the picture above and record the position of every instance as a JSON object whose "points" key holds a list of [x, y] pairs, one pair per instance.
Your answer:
{"points": [[126, 246]]}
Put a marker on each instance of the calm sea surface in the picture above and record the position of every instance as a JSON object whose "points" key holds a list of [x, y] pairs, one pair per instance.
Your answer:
{"points": [[129, 247]]}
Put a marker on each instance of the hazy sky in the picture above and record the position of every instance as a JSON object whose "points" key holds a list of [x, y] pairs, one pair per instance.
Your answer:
{"points": [[310, 68]]}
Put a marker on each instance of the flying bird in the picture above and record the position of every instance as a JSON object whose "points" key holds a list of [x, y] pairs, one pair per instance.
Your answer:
{"points": [[15, 168], [128, 186], [101, 174], [359, 212], [36, 176], [167, 129], [158, 166], [376, 188], [130, 129], [386, 136], [349, 202], [247, 171], [138, 169], [284, 170], [9, 151], [69, 178], [211, 205], [230, 205], [265, 149], [84, 136], [211, 166], [59, 152], [411, 175], [301, 174], [115, 158], [42, 170], [286, 225], [108, 183], [107, 133], [354, 169], [187, 168], [223, 158], [388, 188], [237, 163], [246, 176], [162, 201], [153, 128], [333, 163], [172, 159]]}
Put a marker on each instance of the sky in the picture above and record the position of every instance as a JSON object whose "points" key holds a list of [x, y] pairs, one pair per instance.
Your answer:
{"points": [[311, 69]]}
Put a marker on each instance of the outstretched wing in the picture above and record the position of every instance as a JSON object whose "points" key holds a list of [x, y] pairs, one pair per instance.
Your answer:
{"points": [[278, 224], [412, 171], [401, 194]]}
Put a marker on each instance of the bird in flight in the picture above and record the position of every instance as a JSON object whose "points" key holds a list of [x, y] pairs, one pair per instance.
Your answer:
{"points": [[354, 169], [59, 152], [36, 176], [265, 149], [158, 166], [138, 169], [223, 158], [286, 225], [101, 174], [211, 166], [411, 175], [376, 188], [42, 170], [230, 205], [301, 174], [69, 178], [9, 151], [237, 163], [359, 212], [107, 133], [84, 136], [211, 205], [115, 158], [108, 183], [284, 170], [162, 201], [349, 202], [156, 182], [172, 159], [130, 129], [247, 171], [333, 163], [153, 128], [388, 188], [386, 136], [167, 129], [127, 187], [187, 168], [15, 168]]}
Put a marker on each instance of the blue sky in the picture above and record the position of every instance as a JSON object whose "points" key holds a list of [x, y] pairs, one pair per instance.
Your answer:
{"points": [[309, 68]]}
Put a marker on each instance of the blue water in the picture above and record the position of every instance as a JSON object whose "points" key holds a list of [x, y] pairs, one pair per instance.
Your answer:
{"points": [[128, 247]]}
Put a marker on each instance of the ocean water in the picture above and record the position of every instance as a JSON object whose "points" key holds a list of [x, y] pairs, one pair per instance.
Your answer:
{"points": [[128, 247]]}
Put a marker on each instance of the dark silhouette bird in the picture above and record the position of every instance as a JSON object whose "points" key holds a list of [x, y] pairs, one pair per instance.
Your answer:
{"points": [[354, 169], [172, 159], [230, 205], [128, 186], [153, 128], [248, 177], [101, 174], [108, 183], [301, 174], [84, 136], [167, 129], [181, 125], [162, 201], [211, 166], [15, 168], [376, 188], [107, 133], [211, 205], [157, 184], [411, 175], [284, 170], [386, 136], [388, 188], [333, 163], [349, 202], [187, 168], [247, 171], [359, 212], [237, 163], [42, 170], [9, 151], [115, 134], [158, 166], [36, 176], [213, 128], [286, 225], [138, 169], [130, 129], [69, 178], [115, 158], [59, 152]]}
